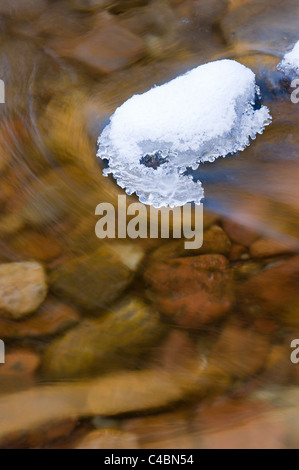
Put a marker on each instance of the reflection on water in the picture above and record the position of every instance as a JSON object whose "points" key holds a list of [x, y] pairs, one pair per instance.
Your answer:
{"points": [[140, 343]]}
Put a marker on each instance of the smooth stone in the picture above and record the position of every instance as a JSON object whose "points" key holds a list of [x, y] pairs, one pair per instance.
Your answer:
{"points": [[42, 247], [267, 26], [272, 290], [18, 371], [50, 319], [266, 247], [239, 233], [193, 291], [23, 288], [115, 394], [117, 340], [240, 352], [106, 48], [215, 241], [93, 281]]}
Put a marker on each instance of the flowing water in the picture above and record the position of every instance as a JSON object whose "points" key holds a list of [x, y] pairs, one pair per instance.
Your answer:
{"points": [[139, 343]]}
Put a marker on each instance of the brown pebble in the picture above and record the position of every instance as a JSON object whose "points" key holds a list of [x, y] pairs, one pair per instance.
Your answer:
{"points": [[192, 291], [240, 352], [273, 289], [37, 246], [265, 248], [238, 233], [52, 317], [105, 49], [18, 370]]}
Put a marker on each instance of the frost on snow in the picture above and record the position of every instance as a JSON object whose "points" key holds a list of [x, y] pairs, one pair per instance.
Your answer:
{"points": [[290, 61], [204, 114]]}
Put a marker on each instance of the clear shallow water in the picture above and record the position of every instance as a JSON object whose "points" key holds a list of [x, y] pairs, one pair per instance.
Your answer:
{"points": [[58, 98]]}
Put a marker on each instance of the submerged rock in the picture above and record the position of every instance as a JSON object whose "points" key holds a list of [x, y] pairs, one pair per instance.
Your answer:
{"points": [[117, 340], [51, 318], [93, 281], [239, 233], [290, 62], [18, 370], [240, 352], [125, 392], [266, 248], [215, 241], [153, 138], [268, 26], [106, 48], [22, 288], [272, 290], [193, 291]]}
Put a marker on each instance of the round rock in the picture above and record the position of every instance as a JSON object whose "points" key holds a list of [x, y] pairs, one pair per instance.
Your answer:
{"points": [[22, 288]]}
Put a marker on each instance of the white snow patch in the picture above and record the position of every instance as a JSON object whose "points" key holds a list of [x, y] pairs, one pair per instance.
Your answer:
{"points": [[290, 61], [202, 115]]}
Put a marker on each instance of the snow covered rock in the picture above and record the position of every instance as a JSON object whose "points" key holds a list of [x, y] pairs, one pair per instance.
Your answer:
{"points": [[290, 62], [204, 114]]}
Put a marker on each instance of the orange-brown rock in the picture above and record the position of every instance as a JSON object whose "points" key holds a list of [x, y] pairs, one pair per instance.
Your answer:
{"points": [[215, 241], [240, 352], [239, 233], [51, 318], [175, 352], [18, 370], [106, 48], [193, 291], [266, 247], [273, 289], [38, 246]]}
